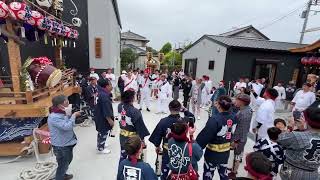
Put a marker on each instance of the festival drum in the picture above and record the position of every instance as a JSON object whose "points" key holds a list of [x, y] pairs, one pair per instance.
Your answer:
{"points": [[43, 73]]}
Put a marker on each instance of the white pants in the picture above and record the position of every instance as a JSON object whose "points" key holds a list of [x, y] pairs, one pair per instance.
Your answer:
{"points": [[145, 98], [163, 105]]}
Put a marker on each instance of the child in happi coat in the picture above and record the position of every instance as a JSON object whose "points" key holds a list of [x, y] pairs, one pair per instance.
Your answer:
{"points": [[133, 167], [271, 149], [258, 167], [183, 152]]}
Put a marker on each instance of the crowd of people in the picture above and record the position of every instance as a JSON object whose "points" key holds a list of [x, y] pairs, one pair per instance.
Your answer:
{"points": [[290, 148]]}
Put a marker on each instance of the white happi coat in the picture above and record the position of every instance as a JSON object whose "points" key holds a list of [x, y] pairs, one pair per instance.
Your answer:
{"points": [[206, 92], [112, 79], [281, 96], [165, 90], [265, 116], [130, 83]]}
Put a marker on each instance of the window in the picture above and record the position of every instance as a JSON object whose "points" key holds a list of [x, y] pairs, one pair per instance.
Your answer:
{"points": [[98, 48], [211, 65]]}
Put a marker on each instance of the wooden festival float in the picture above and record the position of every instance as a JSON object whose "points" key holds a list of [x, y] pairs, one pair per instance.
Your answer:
{"points": [[311, 61], [25, 95]]}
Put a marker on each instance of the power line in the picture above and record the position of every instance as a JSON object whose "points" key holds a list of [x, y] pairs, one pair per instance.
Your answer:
{"points": [[281, 17]]}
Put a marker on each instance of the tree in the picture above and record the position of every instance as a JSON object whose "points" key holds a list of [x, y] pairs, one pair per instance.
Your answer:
{"points": [[128, 58], [150, 49], [172, 58], [166, 48]]}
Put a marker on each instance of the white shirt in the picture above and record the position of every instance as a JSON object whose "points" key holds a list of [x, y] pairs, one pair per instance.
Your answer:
{"points": [[165, 90], [145, 83], [265, 116], [303, 100], [130, 83], [239, 85], [94, 75], [257, 87], [112, 78], [281, 92]]}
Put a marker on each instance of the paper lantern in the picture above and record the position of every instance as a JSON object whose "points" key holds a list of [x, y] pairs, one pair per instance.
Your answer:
{"points": [[62, 30], [55, 27], [67, 31], [43, 23], [20, 11], [312, 60], [76, 34], [35, 17], [304, 60], [4, 10]]}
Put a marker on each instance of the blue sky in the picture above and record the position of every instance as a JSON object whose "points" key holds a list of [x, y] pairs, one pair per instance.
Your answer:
{"points": [[179, 21]]}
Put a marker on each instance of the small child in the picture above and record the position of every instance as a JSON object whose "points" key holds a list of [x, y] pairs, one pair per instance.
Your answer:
{"points": [[271, 149], [280, 124], [133, 167], [258, 167]]}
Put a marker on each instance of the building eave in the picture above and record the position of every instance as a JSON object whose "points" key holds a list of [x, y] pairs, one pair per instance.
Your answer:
{"points": [[116, 10], [309, 48]]}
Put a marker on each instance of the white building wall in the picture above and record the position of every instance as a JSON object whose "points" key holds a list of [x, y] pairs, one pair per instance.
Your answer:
{"points": [[102, 23], [204, 52]]}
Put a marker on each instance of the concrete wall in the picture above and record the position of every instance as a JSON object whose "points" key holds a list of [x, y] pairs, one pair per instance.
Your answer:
{"points": [[103, 24], [204, 51]]}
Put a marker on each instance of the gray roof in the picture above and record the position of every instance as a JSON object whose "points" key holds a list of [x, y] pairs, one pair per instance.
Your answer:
{"points": [[253, 43], [246, 28], [133, 36], [134, 48]]}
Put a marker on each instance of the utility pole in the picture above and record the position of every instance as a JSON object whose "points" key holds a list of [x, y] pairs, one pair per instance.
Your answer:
{"points": [[306, 18]]}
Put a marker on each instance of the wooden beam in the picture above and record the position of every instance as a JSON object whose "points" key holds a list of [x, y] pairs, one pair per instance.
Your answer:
{"points": [[58, 56], [308, 48], [14, 59], [11, 149], [36, 109]]}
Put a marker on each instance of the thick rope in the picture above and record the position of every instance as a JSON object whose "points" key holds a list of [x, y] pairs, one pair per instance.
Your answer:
{"points": [[41, 171]]}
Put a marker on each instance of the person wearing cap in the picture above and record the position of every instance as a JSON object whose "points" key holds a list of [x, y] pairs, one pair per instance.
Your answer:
{"points": [[303, 98], [216, 138], [145, 90], [93, 74], [302, 148], [244, 116], [265, 113], [103, 115], [159, 135], [131, 121], [63, 138], [164, 94], [281, 95], [257, 166], [221, 91], [133, 167]]}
